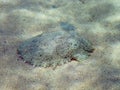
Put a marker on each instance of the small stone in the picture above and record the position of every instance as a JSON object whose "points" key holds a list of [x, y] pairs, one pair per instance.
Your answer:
{"points": [[67, 26]]}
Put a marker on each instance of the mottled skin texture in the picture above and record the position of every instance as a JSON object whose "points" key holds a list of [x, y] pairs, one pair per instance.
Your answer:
{"points": [[54, 48]]}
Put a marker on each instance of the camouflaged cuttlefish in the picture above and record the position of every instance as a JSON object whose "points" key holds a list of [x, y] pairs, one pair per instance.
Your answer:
{"points": [[54, 48]]}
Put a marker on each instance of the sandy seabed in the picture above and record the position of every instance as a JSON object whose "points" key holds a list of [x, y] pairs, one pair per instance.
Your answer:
{"points": [[97, 20]]}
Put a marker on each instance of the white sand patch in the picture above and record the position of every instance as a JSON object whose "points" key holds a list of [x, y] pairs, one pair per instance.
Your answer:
{"points": [[9, 2], [116, 54]]}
